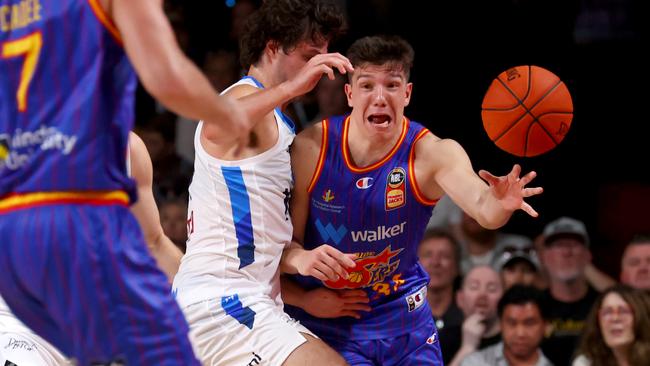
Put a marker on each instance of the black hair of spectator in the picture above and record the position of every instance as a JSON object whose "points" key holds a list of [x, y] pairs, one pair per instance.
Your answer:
{"points": [[522, 295]]}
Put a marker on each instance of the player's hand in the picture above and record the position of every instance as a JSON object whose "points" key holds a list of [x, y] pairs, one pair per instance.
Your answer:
{"points": [[325, 263], [473, 330], [307, 78], [510, 190], [326, 303]]}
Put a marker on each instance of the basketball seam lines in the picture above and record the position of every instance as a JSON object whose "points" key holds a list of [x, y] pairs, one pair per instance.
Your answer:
{"points": [[519, 102], [528, 110]]}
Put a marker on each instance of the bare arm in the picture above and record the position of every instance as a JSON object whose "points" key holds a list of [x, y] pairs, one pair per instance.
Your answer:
{"points": [[597, 278], [445, 166], [323, 262], [167, 73], [167, 255]]}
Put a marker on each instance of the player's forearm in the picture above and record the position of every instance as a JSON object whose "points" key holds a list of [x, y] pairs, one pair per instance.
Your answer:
{"points": [[292, 293], [491, 214], [167, 255], [290, 258]]}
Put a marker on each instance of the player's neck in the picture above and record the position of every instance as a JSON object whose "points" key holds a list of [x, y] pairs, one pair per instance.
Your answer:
{"points": [[263, 74], [366, 147]]}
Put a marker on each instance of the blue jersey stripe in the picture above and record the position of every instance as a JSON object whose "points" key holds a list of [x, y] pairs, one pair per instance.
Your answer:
{"points": [[233, 307], [241, 214]]}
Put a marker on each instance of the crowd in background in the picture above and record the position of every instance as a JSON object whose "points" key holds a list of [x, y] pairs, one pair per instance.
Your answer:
{"points": [[491, 292]]}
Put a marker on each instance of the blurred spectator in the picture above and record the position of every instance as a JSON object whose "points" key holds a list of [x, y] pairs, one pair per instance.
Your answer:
{"points": [[446, 214], [240, 12], [569, 297], [617, 330], [523, 322], [480, 245], [171, 173], [439, 254], [173, 218], [478, 298], [330, 97], [635, 264], [518, 263]]}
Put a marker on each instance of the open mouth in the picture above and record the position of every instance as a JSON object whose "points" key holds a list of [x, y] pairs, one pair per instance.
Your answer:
{"points": [[379, 119]]}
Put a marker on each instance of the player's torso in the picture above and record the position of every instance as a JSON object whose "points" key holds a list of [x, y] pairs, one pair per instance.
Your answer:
{"points": [[371, 212], [238, 222], [66, 98]]}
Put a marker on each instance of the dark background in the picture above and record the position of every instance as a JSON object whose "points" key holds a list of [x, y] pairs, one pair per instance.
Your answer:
{"points": [[599, 173]]}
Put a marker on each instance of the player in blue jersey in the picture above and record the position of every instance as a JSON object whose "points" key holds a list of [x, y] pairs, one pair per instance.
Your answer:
{"points": [[366, 184], [75, 266]]}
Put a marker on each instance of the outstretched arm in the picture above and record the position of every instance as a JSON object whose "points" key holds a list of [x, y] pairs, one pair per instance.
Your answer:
{"points": [[445, 166], [166, 254]]}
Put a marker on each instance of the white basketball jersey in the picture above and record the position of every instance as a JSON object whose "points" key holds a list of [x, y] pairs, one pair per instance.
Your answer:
{"points": [[238, 223]]}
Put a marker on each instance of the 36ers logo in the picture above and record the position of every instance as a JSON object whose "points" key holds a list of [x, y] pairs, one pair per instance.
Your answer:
{"points": [[369, 270], [395, 189]]}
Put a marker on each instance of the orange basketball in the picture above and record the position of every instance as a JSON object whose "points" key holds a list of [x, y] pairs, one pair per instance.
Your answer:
{"points": [[527, 111]]}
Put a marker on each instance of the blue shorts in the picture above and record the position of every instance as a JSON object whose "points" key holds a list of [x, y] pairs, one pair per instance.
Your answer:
{"points": [[420, 347], [82, 278]]}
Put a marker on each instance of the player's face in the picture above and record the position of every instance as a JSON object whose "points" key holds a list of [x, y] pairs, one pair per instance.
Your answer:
{"points": [[437, 258], [378, 95], [522, 329], [616, 320], [566, 258], [635, 269], [293, 60]]}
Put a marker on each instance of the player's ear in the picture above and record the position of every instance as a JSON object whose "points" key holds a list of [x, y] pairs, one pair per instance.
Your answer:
{"points": [[272, 47], [407, 94], [348, 94]]}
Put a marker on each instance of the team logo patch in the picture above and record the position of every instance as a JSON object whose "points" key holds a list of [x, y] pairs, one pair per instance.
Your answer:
{"points": [[433, 339], [364, 183], [328, 232], [395, 189], [414, 301], [328, 196]]}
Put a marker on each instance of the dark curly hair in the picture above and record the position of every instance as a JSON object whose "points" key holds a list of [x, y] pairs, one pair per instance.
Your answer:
{"points": [[593, 344], [393, 51], [288, 22]]}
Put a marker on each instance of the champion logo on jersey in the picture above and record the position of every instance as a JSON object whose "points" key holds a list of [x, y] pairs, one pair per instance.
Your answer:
{"points": [[433, 339], [328, 196], [395, 189], [414, 301], [364, 183]]}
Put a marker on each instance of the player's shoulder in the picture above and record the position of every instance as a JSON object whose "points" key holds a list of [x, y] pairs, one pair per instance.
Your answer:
{"points": [[310, 136], [241, 90]]}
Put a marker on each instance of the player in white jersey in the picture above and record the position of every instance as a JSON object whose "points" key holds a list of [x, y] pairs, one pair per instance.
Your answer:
{"points": [[238, 217]]}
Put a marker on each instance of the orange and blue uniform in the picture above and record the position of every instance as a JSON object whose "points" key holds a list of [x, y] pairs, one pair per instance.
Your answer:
{"points": [[75, 266], [379, 213]]}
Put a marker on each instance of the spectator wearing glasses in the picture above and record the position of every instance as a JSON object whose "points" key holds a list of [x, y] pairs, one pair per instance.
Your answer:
{"points": [[617, 331]]}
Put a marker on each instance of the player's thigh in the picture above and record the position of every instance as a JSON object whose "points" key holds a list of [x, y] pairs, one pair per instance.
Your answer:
{"points": [[26, 349], [260, 335], [314, 352]]}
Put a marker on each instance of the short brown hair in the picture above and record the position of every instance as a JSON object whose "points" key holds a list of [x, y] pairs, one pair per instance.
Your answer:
{"points": [[288, 22], [393, 51]]}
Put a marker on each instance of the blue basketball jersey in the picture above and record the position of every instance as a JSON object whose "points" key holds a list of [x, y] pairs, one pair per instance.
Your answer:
{"points": [[66, 98], [378, 213]]}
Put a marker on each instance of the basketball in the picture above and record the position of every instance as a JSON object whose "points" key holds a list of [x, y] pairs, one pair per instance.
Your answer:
{"points": [[527, 111]]}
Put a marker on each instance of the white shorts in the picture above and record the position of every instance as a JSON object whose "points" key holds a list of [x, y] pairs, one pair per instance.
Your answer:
{"points": [[266, 338], [26, 349]]}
